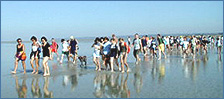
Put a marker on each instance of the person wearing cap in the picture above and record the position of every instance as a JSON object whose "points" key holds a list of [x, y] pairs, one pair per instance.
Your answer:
{"points": [[73, 48]]}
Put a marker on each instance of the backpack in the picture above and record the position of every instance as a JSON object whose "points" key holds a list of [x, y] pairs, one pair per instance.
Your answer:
{"points": [[129, 49]]}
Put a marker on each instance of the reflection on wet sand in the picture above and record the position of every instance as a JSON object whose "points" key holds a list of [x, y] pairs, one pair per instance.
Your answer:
{"points": [[35, 88], [138, 83], [73, 78], [21, 89], [162, 71], [117, 85], [106, 85], [47, 93], [219, 63], [190, 68], [158, 70]]}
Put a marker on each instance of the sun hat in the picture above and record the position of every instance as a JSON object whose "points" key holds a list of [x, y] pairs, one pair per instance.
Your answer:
{"points": [[72, 37]]}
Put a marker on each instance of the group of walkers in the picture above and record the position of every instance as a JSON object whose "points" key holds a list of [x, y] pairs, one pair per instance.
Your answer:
{"points": [[115, 50], [186, 45], [68, 49], [110, 51]]}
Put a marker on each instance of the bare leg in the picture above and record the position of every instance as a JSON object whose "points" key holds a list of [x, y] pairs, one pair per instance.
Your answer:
{"points": [[164, 54], [159, 54], [136, 58], [112, 64], [68, 57], [16, 66], [37, 65], [24, 66], [74, 59], [31, 62], [62, 56], [52, 56], [98, 62], [116, 61], [125, 62], [57, 56], [46, 68], [94, 61], [122, 62]]}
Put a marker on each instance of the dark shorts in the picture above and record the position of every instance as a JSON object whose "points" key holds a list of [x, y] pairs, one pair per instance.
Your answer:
{"points": [[73, 52], [113, 54], [136, 52], [65, 53], [22, 58], [33, 54]]}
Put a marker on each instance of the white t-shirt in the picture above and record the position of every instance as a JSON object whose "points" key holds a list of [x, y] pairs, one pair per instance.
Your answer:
{"points": [[137, 43], [167, 40], [185, 44], [65, 46], [97, 49], [149, 43], [194, 41]]}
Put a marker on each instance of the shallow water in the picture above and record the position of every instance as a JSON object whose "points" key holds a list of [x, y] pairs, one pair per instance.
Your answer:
{"points": [[173, 77]]}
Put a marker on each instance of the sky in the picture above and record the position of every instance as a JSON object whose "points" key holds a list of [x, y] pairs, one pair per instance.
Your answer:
{"points": [[61, 19]]}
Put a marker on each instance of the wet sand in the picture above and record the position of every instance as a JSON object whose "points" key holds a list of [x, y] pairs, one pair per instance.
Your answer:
{"points": [[173, 77]]}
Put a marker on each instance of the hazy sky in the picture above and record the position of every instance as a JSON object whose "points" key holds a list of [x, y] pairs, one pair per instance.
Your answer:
{"points": [[60, 19]]}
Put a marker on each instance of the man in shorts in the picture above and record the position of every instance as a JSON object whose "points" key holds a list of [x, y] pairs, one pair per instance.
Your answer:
{"points": [[137, 48], [73, 48]]}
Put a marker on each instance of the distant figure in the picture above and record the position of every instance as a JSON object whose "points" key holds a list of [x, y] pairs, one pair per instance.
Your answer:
{"points": [[204, 43], [153, 47], [161, 46], [20, 55], [129, 40], [219, 45], [167, 42], [34, 55], [65, 50], [54, 49], [144, 43], [46, 55], [137, 48], [124, 50], [193, 46], [185, 47]]}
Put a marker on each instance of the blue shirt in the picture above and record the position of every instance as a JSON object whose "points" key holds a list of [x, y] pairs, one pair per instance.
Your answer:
{"points": [[106, 48], [73, 45]]}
